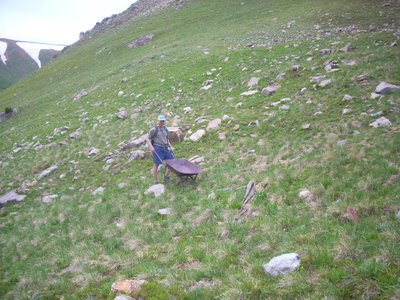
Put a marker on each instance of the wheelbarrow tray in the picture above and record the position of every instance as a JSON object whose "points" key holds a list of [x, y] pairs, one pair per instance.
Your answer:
{"points": [[183, 167]]}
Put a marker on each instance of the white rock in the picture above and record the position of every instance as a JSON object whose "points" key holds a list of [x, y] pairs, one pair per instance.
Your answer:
{"points": [[121, 93], [11, 196], [123, 297], [122, 115], [341, 143], [222, 136], [347, 97], [122, 185], [196, 159], [99, 190], [92, 151], [346, 111], [304, 194], [381, 122], [284, 107], [137, 154], [47, 171], [75, 135], [375, 95], [48, 199], [386, 88], [165, 211], [249, 93], [282, 264], [156, 189], [306, 126], [188, 110], [253, 81], [398, 215], [197, 135], [214, 124], [325, 82]]}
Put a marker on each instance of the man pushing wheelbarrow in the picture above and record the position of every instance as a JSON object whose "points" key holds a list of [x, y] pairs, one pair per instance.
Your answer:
{"points": [[159, 143]]}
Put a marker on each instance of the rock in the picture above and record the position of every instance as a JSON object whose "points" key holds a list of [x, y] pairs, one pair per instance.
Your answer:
{"points": [[125, 79], [135, 142], [380, 122], [99, 190], [165, 211], [269, 90], [47, 171], [282, 264], [346, 111], [331, 66], [398, 215], [386, 88], [197, 135], [284, 107], [75, 135], [295, 68], [48, 199], [305, 194], [25, 187], [254, 123], [324, 52], [92, 151], [347, 97], [122, 115], [349, 62], [121, 185], [347, 48], [350, 215], [207, 85], [60, 130], [393, 44], [249, 93], [188, 110], [196, 159], [222, 136], [280, 76], [375, 95], [253, 81], [325, 82], [10, 197], [143, 40], [79, 95], [123, 297], [127, 286], [175, 135], [341, 143], [306, 126], [121, 93], [214, 124], [137, 154], [156, 189]]}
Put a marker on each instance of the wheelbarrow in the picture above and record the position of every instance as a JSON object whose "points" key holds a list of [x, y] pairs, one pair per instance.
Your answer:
{"points": [[183, 168]]}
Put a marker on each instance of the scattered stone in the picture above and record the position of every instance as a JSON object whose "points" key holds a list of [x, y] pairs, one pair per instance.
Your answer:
{"points": [[188, 110], [122, 114], [121, 93], [341, 143], [254, 123], [350, 215], [380, 122], [324, 52], [135, 142], [306, 126], [79, 95], [347, 48], [222, 136], [47, 171], [249, 93], [325, 82], [60, 130], [386, 88], [347, 97], [398, 215], [25, 187], [48, 199], [127, 286], [253, 81], [165, 211], [75, 135], [197, 159], [10, 197], [331, 66], [375, 96], [99, 190], [92, 151], [125, 79], [141, 41], [349, 62], [207, 85], [280, 76], [137, 154], [214, 124], [317, 78], [306, 194], [156, 189], [123, 297], [393, 44], [269, 90], [346, 111], [197, 135], [284, 107], [295, 68], [282, 264], [121, 185]]}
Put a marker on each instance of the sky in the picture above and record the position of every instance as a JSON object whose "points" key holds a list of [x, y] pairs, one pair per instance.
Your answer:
{"points": [[54, 21]]}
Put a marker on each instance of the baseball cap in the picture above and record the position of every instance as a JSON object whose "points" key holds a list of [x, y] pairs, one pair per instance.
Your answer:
{"points": [[161, 118]]}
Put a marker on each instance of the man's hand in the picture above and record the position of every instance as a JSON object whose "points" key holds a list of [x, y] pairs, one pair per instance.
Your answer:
{"points": [[152, 149], [171, 148]]}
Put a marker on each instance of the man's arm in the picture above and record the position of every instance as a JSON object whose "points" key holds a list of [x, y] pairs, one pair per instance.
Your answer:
{"points": [[148, 141]]}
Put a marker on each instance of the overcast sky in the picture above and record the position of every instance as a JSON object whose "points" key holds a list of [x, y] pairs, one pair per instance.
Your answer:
{"points": [[54, 21]]}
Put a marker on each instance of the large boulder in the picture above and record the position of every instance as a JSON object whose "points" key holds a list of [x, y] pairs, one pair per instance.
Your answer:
{"points": [[10, 197], [135, 142], [386, 88]]}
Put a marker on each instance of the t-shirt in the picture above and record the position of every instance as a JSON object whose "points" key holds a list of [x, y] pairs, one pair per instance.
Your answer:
{"points": [[161, 138]]}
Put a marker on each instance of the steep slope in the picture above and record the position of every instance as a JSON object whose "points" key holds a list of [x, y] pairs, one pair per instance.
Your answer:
{"points": [[47, 55], [326, 180]]}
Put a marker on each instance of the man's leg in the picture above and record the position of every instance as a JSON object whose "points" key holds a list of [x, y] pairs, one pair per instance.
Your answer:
{"points": [[155, 170]]}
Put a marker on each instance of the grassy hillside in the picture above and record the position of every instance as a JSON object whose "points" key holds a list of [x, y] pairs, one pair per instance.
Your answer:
{"points": [[79, 244]]}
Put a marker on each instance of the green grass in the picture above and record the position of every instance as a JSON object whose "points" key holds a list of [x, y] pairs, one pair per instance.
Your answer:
{"points": [[73, 247]]}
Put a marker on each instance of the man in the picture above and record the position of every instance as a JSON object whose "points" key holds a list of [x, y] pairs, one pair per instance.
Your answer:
{"points": [[158, 142]]}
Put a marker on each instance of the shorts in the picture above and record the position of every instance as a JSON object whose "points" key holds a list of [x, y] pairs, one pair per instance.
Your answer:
{"points": [[163, 154]]}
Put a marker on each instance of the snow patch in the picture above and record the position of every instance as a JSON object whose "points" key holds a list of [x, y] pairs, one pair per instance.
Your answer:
{"points": [[3, 47], [34, 49]]}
